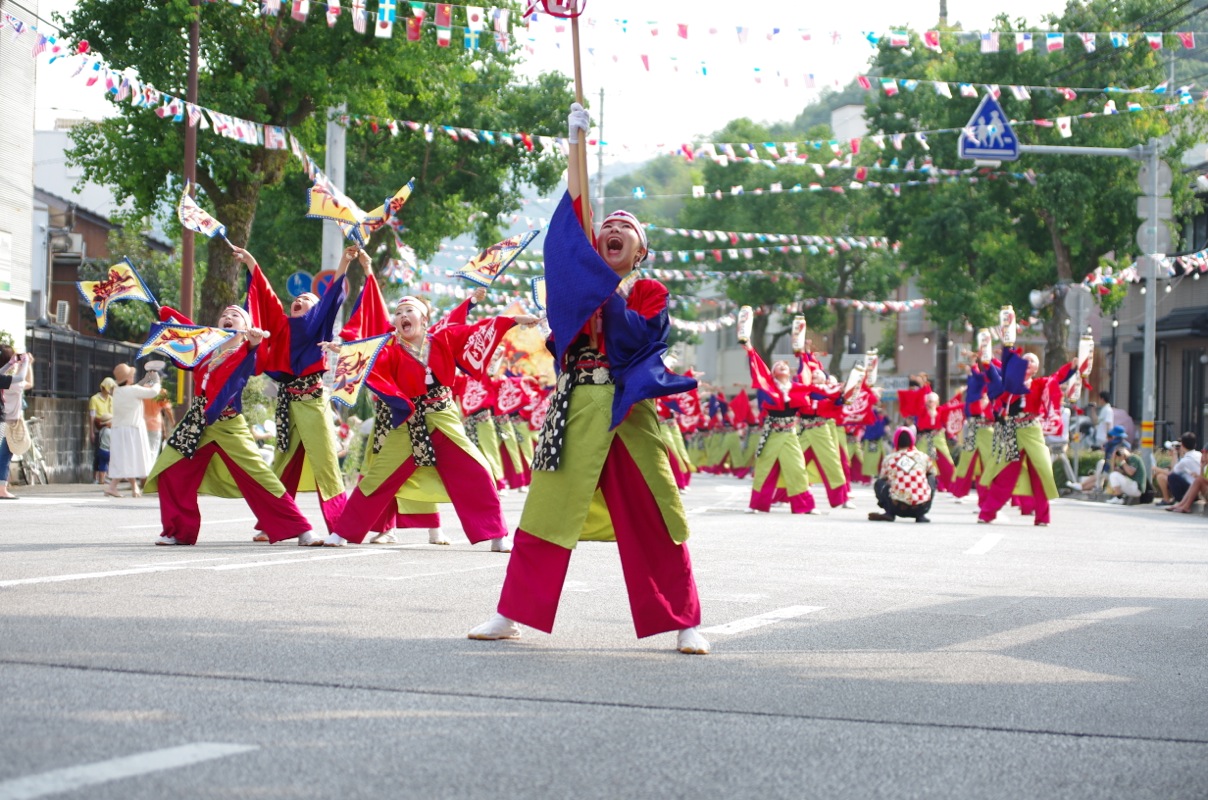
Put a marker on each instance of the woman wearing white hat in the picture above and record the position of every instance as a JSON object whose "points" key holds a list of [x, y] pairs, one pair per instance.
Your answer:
{"points": [[129, 453]]}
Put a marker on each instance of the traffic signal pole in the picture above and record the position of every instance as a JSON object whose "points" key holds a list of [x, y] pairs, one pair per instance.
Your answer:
{"points": [[1153, 237]]}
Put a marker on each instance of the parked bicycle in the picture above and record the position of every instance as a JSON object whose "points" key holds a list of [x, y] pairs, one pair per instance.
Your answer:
{"points": [[31, 464]]}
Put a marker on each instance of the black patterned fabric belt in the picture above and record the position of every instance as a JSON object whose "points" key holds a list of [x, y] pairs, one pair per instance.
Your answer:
{"points": [[594, 372], [306, 387], [438, 398], [473, 421], [808, 423], [187, 436]]}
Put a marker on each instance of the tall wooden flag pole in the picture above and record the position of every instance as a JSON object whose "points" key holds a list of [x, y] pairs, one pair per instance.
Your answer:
{"points": [[581, 156]]}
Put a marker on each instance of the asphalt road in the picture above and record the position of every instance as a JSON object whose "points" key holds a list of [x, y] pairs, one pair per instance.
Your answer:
{"points": [[850, 659]]}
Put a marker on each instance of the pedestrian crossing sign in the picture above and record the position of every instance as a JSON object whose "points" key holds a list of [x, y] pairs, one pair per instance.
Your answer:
{"points": [[988, 135]]}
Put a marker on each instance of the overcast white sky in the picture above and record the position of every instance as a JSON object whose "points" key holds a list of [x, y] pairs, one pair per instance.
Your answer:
{"points": [[671, 102]]}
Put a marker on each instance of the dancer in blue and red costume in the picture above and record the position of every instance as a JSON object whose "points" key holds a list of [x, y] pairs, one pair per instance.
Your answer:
{"points": [[977, 465], [214, 426], [305, 450], [413, 376], [1024, 466], [778, 457], [601, 458]]}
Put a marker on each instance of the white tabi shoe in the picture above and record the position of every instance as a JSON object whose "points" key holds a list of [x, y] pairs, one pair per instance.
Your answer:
{"points": [[335, 540], [497, 627], [310, 539], [384, 538], [848, 504], [523, 490], [436, 536], [501, 545], [166, 540], [691, 642]]}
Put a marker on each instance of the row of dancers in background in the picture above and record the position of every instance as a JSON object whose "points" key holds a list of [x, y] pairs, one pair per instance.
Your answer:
{"points": [[803, 428]]}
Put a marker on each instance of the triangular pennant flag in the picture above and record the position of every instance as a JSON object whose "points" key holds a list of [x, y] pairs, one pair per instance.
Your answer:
{"points": [[488, 265], [121, 282], [195, 218], [353, 365], [186, 345]]}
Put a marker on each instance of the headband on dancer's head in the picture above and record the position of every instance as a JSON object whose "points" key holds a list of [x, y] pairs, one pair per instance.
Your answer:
{"points": [[314, 298], [242, 313], [625, 216], [414, 302]]}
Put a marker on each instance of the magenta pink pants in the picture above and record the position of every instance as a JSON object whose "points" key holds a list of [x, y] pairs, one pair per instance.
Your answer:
{"points": [[946, 470], [658, 572], [835, 495], [469, 484], [278, 517], [331, 508], [1002, 487], [681, 476], [762, 497], [513, 478]]}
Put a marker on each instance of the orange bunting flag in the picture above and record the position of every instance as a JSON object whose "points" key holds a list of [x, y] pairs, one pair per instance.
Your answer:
{"points": [[488, 265], [195, 218], [352, 367], [121, 282], [186, 345]]}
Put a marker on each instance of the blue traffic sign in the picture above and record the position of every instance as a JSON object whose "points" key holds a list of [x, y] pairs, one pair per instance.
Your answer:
{"points": [[988, 135], [299, 283]]}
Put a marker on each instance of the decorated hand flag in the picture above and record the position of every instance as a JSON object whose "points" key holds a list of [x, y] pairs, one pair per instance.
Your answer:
{"points": [[195, 218], [353, 365], [120, 283], [537, 292], [330, 203], [186, 345], [485, 267]]}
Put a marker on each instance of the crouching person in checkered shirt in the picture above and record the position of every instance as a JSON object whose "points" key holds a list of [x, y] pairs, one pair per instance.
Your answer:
{"points": [[906, 483]]}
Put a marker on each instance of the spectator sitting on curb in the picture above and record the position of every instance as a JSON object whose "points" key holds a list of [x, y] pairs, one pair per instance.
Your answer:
{"points": [[1096, 480], [1198, 489], [906, 483], [1173, 483], [1127, 478]]}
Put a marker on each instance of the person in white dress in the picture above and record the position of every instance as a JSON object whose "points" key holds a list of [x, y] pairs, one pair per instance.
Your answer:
{"points": [[130, 455]]}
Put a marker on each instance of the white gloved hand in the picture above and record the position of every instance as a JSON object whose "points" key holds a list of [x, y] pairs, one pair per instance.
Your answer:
{"points": [[577, 120]]}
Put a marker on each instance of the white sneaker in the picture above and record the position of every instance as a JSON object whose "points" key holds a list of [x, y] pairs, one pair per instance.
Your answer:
{"points": [[749, 511], [310, 539], [1116, 501], [691, 642], [384, 538], [436, 536], [523, 490], [497, 627], [335, 540], [166, 540], [1077, 487], [503, 492], [500, 545], [848, 504]]}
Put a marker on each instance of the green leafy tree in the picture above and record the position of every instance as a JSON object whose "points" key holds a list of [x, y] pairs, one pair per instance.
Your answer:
{"points": [[975, 246], [277, 71], [774, 280]]}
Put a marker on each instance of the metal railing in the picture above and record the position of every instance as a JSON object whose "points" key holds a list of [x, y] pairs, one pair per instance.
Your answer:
{"points": [[70, 365]]}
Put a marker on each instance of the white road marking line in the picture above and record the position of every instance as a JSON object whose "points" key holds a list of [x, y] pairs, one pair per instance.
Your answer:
{"points": [[183, 561], [203, 522], [984, 545], [430, 574], [80, 576], [72, 778], [758, 621], [297, 559]]}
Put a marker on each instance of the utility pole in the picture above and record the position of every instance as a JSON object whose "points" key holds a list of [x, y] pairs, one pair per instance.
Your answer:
{"points": [[333, 165], [184, 385]]}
